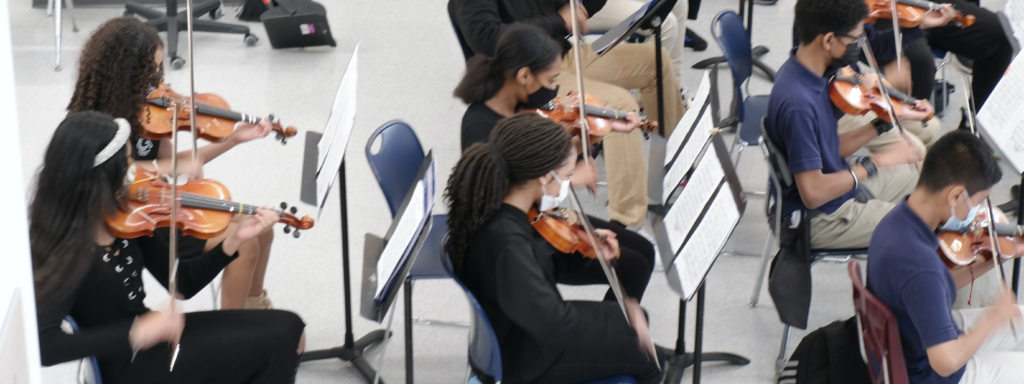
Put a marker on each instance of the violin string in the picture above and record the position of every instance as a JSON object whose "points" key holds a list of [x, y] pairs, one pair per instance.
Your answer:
{"points": [[896, 34]]}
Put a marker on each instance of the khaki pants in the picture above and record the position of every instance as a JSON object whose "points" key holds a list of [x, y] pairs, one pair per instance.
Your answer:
{"points": [[851, 225], [624, 164], [923, 135], [1000, 359], [673, 30]]}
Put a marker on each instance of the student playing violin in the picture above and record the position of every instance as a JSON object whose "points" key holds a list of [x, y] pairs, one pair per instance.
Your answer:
{"points": [[84, 271], [942, 345], [121, 64], [513, 271], [522, 75]]}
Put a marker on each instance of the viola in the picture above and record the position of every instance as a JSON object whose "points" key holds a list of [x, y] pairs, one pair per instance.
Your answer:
{"points": [[910, 13], [960, 249], [215, 120], [856, 94], [565, 110], [561, 228], [204, 209]]}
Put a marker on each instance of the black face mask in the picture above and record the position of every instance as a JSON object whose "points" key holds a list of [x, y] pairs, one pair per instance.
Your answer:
{"points": [[542, 97], [851, 56]]}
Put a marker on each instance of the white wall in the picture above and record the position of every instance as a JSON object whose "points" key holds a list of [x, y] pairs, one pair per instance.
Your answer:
{"points": [[15, 261]]}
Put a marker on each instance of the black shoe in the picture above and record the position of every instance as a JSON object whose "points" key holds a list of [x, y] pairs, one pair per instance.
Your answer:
{"points": [[1010, 207], [966, 63], [766, 2], [695, 41]]}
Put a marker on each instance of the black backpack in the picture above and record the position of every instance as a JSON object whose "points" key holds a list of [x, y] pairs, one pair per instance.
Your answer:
{"points": [[828, 355]]}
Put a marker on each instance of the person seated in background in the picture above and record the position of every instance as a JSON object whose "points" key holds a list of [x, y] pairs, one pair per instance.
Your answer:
{"points": [[844, 201], [942, 345]]}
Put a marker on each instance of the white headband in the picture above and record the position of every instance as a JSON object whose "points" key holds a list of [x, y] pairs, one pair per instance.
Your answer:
{"points": [[116, 144]]}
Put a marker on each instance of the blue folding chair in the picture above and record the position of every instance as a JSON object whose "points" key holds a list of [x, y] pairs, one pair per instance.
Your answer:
{"points": [[395, 165], [747, 110], [484, 353], [88, 368]]}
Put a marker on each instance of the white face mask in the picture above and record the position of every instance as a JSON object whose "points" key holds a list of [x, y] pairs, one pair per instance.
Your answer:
{"points": [[129, 177], [550, 202]]}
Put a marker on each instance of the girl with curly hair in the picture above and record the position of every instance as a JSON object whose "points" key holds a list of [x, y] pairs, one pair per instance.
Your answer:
{"points": [[120, 65]]}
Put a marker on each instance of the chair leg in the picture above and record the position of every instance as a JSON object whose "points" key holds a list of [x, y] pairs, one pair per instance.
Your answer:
{"points": [[780, 362], [49, 8], [143, 10], [71, 12], [765, 260]]}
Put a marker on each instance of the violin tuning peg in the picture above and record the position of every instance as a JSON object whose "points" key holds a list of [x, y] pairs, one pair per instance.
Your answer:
{"points": [[287, 229], [296, 234], [284, 205], [293, 210]]}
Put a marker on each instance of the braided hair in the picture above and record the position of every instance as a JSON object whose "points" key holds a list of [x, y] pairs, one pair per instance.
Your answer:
{"points": [[529, 147], [521, 46]]}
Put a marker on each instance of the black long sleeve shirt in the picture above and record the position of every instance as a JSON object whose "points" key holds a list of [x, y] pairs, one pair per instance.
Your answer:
{"points": [[481, 22], [512, 271], [110, 296]]}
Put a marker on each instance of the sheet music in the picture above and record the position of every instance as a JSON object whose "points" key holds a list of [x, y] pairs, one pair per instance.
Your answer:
{"points": [[401, 240], [708, 239], [687, 156], [676, 139], [331, 148], [1014, 11], [1002, 118], [692, 200]]}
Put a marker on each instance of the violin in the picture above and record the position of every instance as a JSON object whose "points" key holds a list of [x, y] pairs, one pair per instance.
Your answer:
{"points": [[215, 120], [561, 228], [204, 209], [856, 94], [960, 249], [565, 110], [910, 13]]}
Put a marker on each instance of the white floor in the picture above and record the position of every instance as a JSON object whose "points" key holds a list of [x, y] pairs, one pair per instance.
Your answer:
{"points": [[409, 63]]}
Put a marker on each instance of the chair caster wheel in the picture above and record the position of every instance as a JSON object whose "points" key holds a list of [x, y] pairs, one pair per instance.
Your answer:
{"points": [[177, 63], [251, 40], [217, 13]]}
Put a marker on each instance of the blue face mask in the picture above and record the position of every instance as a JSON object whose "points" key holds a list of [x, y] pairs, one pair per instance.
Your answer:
{"points": [[954, 224]]}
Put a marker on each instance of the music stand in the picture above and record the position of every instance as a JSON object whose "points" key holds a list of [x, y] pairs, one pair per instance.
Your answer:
{"points": [[648, 16], [755, 53], [173, 22]]}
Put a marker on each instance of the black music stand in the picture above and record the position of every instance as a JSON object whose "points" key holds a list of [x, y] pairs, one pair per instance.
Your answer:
{"points": [[174, 21], [648, 17], [755, 53]]}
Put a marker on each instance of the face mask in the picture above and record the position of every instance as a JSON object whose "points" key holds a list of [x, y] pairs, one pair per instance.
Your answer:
{"points": [[129, 177], [542, 97], [550, 202], [851, 56], [954, 223]]}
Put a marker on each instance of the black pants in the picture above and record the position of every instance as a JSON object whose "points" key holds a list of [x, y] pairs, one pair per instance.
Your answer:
{"points": [[634, 266], [985, 42]]}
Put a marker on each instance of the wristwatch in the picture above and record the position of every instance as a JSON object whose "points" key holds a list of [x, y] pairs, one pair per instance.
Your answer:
{"points": [[881, 126], [868, 165]]}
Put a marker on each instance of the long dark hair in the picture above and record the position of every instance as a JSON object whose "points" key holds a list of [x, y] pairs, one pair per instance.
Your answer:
{"points": [[531, 145], [70, 201], [520, 46], [117, 70]]}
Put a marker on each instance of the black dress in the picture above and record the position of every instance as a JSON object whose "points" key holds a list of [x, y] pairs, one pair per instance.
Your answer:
{"points": [[513, 273], [216, 347]]}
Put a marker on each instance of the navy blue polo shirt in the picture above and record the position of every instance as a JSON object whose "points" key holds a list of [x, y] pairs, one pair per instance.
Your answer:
{"points": [[906, 274], [802, 122]]}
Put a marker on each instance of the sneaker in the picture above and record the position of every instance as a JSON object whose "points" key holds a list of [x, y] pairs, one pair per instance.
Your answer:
{"points": [[694, 41], [258, 302]]}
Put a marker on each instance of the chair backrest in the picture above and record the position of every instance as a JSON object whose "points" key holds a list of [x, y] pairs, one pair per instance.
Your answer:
{"points": [[396, 161], [484, 353], [89, 370], [727, 29], [880, 334]]}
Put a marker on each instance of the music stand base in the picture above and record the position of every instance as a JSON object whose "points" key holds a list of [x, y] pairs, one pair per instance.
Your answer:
{"points": [[677, 364], [755, 54], [352, 354]]}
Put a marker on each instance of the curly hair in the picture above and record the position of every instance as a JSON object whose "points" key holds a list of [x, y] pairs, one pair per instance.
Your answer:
{"points": [[117, 70], [818, 17], [531, 146]]}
